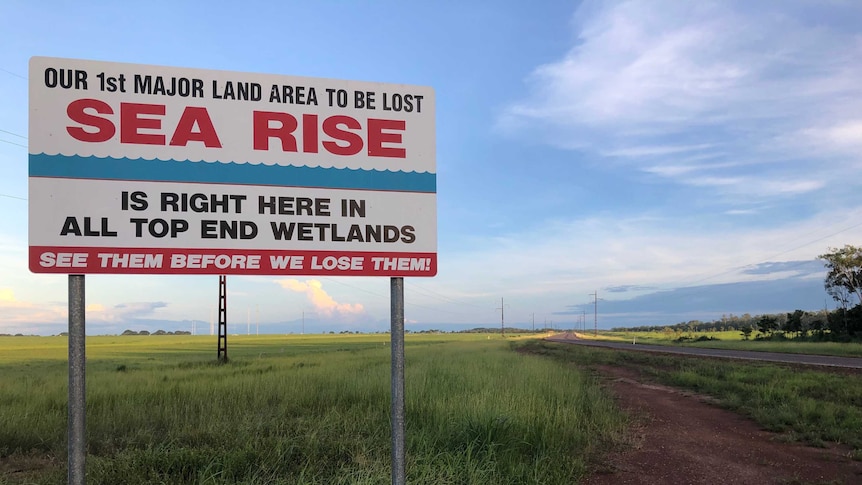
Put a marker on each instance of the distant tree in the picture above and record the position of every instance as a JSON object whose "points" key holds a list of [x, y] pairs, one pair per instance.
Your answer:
{"points": [[815, 322], [836, 322], [844, 275], [781, 320], [143, 332], [746, 332], [159, 332], [854, 321], [767, 324], [129, 332], [840, 294], [793, 323]]}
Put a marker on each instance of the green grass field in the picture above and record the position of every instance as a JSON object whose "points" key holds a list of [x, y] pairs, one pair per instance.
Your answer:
{"points": [[803, 404], [732, 339], [301, 410]]}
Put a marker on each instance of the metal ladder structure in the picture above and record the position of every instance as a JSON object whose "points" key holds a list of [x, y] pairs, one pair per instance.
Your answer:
{"points": [[222, 318]]}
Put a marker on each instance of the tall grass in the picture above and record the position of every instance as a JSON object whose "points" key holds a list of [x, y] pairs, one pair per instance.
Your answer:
{"points": [[813, 406], [302, 410], [732, 340]]}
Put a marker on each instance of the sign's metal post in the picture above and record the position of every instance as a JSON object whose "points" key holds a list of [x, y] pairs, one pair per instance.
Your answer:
{"points": [[397, 339], [77, 426]]}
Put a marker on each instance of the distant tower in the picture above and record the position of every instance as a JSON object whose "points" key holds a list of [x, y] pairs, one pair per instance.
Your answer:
{"points": [[222, 318]]}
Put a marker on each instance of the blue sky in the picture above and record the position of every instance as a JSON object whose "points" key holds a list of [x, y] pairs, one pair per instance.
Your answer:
{"points": [[683, 159]]}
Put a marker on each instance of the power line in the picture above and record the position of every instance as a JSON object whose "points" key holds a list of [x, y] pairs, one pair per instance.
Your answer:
{"points": [[693, 284], [596, 299], [355, 287], [434, 309], [13, 143], [13, 74], [773, 256], [13, 134], [761, 261], [441, 297], [387, 296], [502, 319]]}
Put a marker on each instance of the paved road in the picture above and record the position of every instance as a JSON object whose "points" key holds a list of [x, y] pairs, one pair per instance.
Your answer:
{"points": [[807, 359]]}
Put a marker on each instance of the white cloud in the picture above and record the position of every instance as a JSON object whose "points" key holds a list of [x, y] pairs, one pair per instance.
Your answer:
{"points": [[123, 312], [641, 151], [720, 95], [842, 137], [19, 316], [740, 212], [23, 316], [754, 187], [317, 296], [575, 257]]}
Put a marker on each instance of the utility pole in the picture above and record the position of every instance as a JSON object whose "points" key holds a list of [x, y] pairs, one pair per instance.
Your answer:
{"points": [[222, 318], [595, 296], [534, 322], [502, 319]]}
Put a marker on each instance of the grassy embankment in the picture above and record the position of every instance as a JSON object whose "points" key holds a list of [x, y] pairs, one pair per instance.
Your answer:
{"points": [[300, 410], [812, 406], [732, 340]]}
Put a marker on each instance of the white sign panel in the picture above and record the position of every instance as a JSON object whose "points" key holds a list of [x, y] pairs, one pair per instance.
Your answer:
{"points": [[162, 170]]}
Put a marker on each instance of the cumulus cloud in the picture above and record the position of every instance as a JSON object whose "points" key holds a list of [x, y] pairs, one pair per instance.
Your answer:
{"points": [[32, 317], [317, 296], [24, 317], [123, 312]]}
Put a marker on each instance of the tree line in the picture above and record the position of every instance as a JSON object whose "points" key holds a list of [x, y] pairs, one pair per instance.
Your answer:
{"points": [[157, 332], [843, 283]]}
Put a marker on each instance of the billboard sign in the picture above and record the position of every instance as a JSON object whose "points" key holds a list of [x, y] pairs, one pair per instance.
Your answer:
{"points": [[138, 169]]}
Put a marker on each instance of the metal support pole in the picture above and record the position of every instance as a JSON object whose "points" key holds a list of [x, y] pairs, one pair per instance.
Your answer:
{"points": [[595, 312], [397, 339], [222, 318], [502, 319], [77, 425]]}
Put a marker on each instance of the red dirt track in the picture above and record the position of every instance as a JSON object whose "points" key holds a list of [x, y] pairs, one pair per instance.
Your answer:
{"points": [[681, 438]]}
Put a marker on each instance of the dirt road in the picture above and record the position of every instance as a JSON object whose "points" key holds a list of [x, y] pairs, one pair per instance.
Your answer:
{"points": [[821, 360], [681, 438]]}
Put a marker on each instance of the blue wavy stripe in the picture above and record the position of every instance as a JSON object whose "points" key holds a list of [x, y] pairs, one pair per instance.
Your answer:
{"points": [[43, 165]]}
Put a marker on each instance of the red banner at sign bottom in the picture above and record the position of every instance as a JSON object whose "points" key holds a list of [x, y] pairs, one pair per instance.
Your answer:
{"points": [[90, 260]]}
